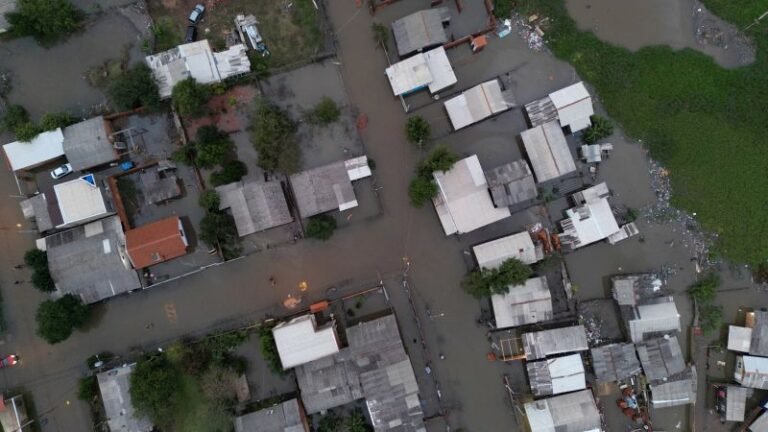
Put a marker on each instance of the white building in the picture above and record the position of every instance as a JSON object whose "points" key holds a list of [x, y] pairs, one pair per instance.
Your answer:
{"points": [[751, 371], [80, 200], [548, 151], [478, 103], [523, 304], [572, 412], [43, 148], [519, 246], [654, 318], [570, 106], [431, 70], [591, 220], [300, 341], [556, 375]]}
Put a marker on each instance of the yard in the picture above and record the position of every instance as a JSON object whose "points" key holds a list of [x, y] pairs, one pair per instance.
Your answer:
{"points": [[705, 123], [290, 28]]}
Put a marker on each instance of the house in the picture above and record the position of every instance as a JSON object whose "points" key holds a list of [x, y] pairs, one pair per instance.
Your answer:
{"points": [[571, 412], [544, 343], [591, 220], [615, 362], [463, 203], [115, 388], [89, 144], [548, 151], [255, 206], [431, 69], [556, 375], [421, 30], [196, 60], [67, 204], [661, 358], [680, 390], [478, 103], [288, 416], [511, 183], [519, 246], [159, 183], [328, 187], [736, 402], [90, 261], [761, 422], [301, 340], [374, 367], [570, 106], [652, 319], [633, 289], [13, 413], [524, 304], [45, 147], [6, 6], [752, 338], [156, 242], [751, 371]]}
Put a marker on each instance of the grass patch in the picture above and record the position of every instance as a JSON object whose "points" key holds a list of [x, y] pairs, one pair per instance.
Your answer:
{"points": [[195, 413], [705, 123]]}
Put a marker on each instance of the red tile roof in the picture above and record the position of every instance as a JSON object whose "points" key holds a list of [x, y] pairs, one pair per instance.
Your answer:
{"points": [[156, 242]]}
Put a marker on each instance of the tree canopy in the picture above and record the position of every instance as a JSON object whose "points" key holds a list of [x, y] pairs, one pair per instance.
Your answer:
{"points": [[154, 386], [218, 230], [136, 87], [37, 260], [45, 20], [325, 112], [417, 130], [423, 187], [56, 319], [439, 159], [486, 282], [53, 121], [422, 190], [15, 116], [273, 136], [321, 227], [209, 200], [231, 171], [190, 97], [212, 147]]}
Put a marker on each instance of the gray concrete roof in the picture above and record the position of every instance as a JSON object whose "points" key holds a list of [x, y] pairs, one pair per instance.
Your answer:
{"points": [[115, 394], [538, 345], [87, 144], [86, 261], [633, 289], [159, 183], [615, 362], [511, 183], [571, 412], [285, 417], [329, 382], [420, 30], [36, 208], [680, 391], [661, 358], [322, 189], [735, 402], [255, 206]]}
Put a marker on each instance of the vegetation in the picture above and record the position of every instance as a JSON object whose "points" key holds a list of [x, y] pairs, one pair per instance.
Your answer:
{"points": [[269, 350], [439, 159], [165, 34], [710, 317], [218, 230], [46, 20], [353, 422], [601, 128], [26, 131], [209, 200], [423, 187], [417, 130], [154, 386], [56, 319], [422, 190], [259, 65], [321, 227], [486, 282], [324, 113], [15, 116], [502, 8], [53, 121], [212, 147], [689, 112], [37, 260], [87, 388], [134, 88], [380, 34], [273, 136], [231, 171], [705, 290], [190, 98]]}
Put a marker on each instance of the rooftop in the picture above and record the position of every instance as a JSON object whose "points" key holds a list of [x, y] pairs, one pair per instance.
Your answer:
{"points": [[156, 242], [574, 106], [524, 304], [431, 69], [88, 261], [284, 417], [661, 358], [43, 148], [519, 246], [478, 103], [6, 6], [540, 344], [752, 371], [79, 200], [679, 391], [739, 338], [159, 183], [735, 402], [463, 203], [88, 144], [615, 362], [632, 289], [115, 394], [548, 151], [301, 341], [647, 319], [420, 30], [255, 206], [36, 208], [13, 413], [572, 412], [556, 375], [511, 183], [323, 189], [760, 424], [588, 223], [759, 341]]}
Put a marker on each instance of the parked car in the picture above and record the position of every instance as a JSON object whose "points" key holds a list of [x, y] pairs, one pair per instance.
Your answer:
{"points": [[61, 171], [197, 14], [191, 34], [9, 361]]}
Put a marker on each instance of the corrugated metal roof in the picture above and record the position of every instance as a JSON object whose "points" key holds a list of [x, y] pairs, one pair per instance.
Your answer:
{"points": [[681, 391], [300, 341], [572, 412], [574, 106], [524, 304], [36, 208], [759, 340], [512, 183], [661, 358], [420, 30], [752, 371], [615, 362], [43, 148], [548, 151], [285, 417], [739, 338], [588, 224], [735, 403], [322, 189], [654, 318], [538, 345], [255, 206], [556, 375], [631, 289], [478, 103], [519, 246], [87, 144]]}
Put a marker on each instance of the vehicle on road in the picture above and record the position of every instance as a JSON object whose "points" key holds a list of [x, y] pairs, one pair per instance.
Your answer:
{"points": [[191, 34], [61, 171], [9, 361], [197, 14]]}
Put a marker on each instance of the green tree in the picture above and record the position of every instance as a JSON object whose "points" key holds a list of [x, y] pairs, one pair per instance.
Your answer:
{"points": [[269, 350], [380, 34], [37, 260], [325, 112], [87, 388], [330, 423], [321, 227], [212, 147], [422, 190], [45, 20], [26, 131], [190, 98], [705, 290], [273, 136], [14, 117], [486, 282], [209, 200], [53, 121], [417, 130], [439, 159], [356, 422], [231, 171], [259, 65], [154, 388], [218, 230], [136, 87], [43, 280], [57, 319], [502, 8], [601, 128], [185, 154], [710, 317]]}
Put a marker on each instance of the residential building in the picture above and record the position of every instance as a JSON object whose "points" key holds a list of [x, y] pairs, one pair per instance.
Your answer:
{"points": [[13, 413], [421, 30], [556, 375], [572, 412], [590, 221], [615, 362], [523, 304], [25, 155], [753, 337], [637, 288], [570, 106], [652, 319], [288, 416], [478, 103], [115, 387], [90, 261], [661, 358], [511, 183], [159, 183], [431, 70], [301, 340], [761, 423], [196, 60], [751, 371], [545, 343], [679, 390], [255, 206], [519, 246], [156, 242], [736, 402], [463, 203], [328, 187], [548, 152], [89, 144]]}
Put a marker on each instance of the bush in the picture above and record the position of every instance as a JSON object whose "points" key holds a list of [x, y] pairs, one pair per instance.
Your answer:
{"points": [[26, 131], [423, 188], [87, 388], [135, 88], [705, 290], [417, 130], [710, 317], [57, 319], [486, 282], [321, 227], [502, 8], [37, 260], [190, 98], [218, 230], [218, 384], [269, 351], [259, 65], [209, 200], [439, 159], [380, 34], [212, 147], [185, 154], [325, 112], [601, 128], [53, 121], [273, 136], [154, 386], [14, 117], [231, 171], [45, 20], [421, 191], [330, 422], [356, 422]]}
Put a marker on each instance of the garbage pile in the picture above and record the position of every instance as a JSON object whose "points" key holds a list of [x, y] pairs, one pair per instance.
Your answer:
{"points": [[530, 31]]}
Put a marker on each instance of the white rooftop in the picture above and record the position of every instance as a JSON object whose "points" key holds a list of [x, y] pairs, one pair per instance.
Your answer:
{"points": [[357, 168], [563, 374], [548, 151], [463, 203], [409, 75], [523, 304], [441, 70], [572, 412], [79, 200], [477, 103], [574, 106], [45, 147], [520, 246], [300, 341], [739, 338], [592, 222], [653, 318]]}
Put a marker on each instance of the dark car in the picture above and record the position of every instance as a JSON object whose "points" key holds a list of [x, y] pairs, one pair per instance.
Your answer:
{"points": [[197, 14], [191, 34]]}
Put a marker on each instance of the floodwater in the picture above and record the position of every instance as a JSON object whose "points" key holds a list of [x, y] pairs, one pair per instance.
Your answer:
{"points": [[677, 23]]}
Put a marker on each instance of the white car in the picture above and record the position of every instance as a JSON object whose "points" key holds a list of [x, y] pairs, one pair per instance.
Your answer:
{"points": [[61, 171], [197, 14]]}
